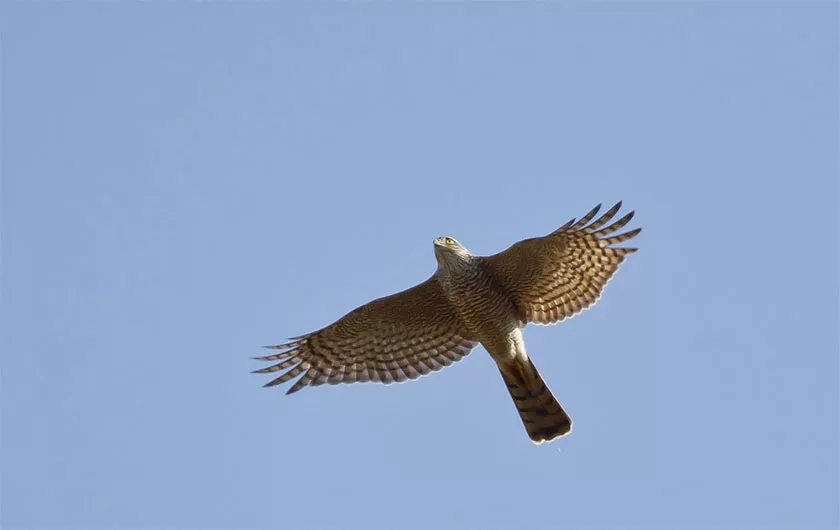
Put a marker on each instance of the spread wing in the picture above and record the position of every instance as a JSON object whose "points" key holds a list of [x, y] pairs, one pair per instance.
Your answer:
{"points": [[555, 277], [399, 337]]}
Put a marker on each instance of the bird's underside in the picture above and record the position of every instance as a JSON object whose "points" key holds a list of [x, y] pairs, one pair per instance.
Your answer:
{"points": [[469, 300]]}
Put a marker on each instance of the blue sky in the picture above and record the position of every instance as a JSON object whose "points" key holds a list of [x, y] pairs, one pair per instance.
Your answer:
{"points": [[184, 182]]}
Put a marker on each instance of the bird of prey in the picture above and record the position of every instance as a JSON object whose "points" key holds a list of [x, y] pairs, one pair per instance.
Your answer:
{"points": [[469, 300]]}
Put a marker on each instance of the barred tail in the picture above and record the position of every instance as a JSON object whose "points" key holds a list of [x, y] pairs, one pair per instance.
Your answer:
{"points": [[542, 415]]}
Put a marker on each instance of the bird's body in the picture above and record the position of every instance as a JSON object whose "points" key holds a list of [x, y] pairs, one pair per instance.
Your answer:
{"points": [[469, 300], [492, 318], [486, 310]]}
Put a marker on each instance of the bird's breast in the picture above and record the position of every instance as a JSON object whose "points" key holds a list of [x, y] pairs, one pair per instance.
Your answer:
{"points": [[484, 307]]}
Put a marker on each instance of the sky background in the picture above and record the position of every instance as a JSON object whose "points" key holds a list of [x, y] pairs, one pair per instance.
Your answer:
{"points": [[183, 182]]}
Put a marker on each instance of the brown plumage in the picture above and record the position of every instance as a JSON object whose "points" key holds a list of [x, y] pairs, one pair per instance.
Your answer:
{"points": [[469, 300], [543, 417]]}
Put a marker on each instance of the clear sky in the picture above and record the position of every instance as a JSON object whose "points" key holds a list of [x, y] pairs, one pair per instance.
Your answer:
{"points": [[183, 182]]}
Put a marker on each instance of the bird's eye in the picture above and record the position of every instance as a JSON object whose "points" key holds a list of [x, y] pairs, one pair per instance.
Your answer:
{"points": [[449, 241]]}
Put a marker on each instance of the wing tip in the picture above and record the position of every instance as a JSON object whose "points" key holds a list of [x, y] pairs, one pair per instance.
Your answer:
{"points": [[295, 388], [633, 233]]}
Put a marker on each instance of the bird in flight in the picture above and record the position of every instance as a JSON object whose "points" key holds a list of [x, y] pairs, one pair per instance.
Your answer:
{"points": [[469, 300]]}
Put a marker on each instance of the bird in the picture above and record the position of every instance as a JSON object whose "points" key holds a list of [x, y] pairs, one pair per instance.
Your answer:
{"points": [[469, 300]]}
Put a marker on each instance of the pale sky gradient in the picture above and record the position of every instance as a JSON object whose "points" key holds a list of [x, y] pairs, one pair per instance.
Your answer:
{"points": [[183, 182]]}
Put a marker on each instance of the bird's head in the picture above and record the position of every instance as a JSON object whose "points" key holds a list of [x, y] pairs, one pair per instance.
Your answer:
{"points": [[449, 251]]}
